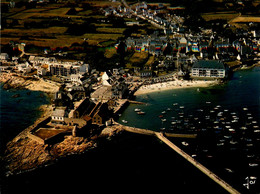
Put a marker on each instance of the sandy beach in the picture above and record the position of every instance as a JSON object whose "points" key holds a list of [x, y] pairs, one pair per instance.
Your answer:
{"points": [[171, 85]]}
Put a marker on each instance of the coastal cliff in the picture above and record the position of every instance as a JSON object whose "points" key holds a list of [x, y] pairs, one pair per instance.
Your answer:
{"points": [[12, 80]]}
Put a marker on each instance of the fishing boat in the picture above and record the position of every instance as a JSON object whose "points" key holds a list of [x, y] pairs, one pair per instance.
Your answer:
{"points": [[137, 109], [161, 116], [141, 113]]}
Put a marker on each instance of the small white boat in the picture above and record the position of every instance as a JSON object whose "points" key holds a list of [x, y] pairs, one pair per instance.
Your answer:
{"points": [[229, 170], [181, 107], [163, 112], [220, 144], [141, 113], [184, 143], [233, 142], [163, 120], [137, 109], [169, 109], [124, 121], [253, 164], [245, 108], [175, 104]]}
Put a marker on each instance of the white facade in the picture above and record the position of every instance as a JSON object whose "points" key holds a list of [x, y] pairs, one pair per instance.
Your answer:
{"points": [[4, 56], [201, 72]]}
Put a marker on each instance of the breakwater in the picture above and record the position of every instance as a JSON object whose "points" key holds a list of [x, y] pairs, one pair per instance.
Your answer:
{"points": [[198, 165], [194, 162]]}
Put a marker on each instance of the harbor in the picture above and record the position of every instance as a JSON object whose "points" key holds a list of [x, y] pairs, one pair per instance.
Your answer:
{"points": [[225, 119]]}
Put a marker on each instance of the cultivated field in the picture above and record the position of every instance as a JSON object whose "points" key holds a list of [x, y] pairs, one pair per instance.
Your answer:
{"points": [[219, 16]]}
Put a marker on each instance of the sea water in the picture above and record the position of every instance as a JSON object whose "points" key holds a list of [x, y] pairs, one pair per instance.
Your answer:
{"points": [[18, 110]]}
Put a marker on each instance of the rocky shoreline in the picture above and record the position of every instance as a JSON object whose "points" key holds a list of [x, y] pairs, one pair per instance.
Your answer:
{"points": [[15, 81], [24, 154]]}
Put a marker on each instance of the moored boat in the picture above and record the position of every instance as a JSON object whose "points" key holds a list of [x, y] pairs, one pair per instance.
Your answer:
{"points": [[137, 109], [124, 121]]}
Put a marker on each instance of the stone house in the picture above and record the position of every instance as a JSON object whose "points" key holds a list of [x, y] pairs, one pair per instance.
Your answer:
{"points": [[100, 113]]}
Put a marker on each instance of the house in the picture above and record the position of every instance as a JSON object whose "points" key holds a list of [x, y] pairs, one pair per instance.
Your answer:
{"points": [[24, 67], [76, 93], [85, 68], [58, 115], [41, 71], [208, 69], [120, 89], [82, 107], [102, 93], [4, 56], [75, 78], [100, 113], [107, 78], [146, 73]]}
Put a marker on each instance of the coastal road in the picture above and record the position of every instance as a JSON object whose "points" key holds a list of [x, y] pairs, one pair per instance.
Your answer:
{"points": [[202, 168]]}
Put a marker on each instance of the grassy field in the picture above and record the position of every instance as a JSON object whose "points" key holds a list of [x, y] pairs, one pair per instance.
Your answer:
{"points": [[111, 30], [50, 26], [219, 16], [245, 19]]}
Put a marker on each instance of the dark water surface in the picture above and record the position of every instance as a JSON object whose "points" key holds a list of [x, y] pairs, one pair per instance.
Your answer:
{"points": [[17, 113]]}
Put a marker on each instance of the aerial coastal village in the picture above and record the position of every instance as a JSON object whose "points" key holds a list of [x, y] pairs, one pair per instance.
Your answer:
{"points": [[93, 58]]}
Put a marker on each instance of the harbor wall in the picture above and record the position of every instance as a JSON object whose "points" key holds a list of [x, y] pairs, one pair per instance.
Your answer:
{"points": [[35, 138]]}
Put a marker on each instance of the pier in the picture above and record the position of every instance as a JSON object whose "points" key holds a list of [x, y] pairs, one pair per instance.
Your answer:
{"points": [[202, 168], [194, 162]]}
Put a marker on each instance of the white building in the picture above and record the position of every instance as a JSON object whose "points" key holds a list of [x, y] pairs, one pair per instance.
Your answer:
{"points": [[4, 56], [208, 69]]}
